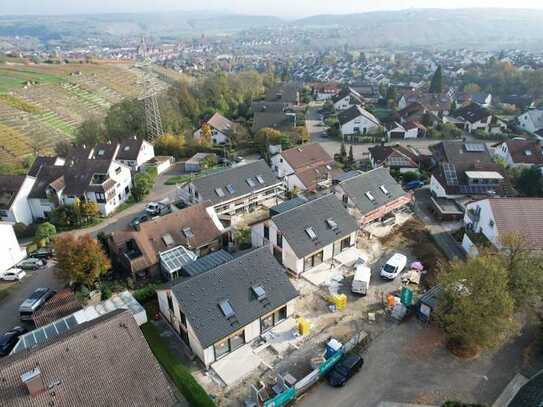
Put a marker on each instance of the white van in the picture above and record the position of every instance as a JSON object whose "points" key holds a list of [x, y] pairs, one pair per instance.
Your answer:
{"points": [[361, 280]]}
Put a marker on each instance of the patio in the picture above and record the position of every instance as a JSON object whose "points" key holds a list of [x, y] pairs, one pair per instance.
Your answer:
{"points": [[281, 338], [237, 365]]}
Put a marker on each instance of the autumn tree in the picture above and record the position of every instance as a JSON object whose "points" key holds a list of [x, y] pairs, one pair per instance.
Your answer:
{"points": [[80, 260], [476, 307], [170, 144], [206, 135], [44, 232]]}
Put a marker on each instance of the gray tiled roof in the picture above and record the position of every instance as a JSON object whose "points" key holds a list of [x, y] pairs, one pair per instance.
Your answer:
{"points": [[531, 394], [371, 181], [207, 263], [199, 296], [292, 224], [105, 362], [236, 177]]}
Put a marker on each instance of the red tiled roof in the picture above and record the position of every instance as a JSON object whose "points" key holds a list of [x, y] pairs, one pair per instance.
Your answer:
{"points": [[60, 305], [520, 215]]}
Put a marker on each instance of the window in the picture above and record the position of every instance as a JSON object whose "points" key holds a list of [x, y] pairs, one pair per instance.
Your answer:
{"points": [[170, 303], [237, 341], [383, 189], [280, 314], [3, 213], [279, 240], [118, 170], [345, 199], [370, 196], [331, 223], [100, 197], [259, 292], [250, 182], [183, 319], [345, 243], [266, 232], [266, 323], [260, 179], [221, 348], [226, 308], [313, 261], [219, 192], [188, 233], [230, 188], [127, 189], [311, 233]]}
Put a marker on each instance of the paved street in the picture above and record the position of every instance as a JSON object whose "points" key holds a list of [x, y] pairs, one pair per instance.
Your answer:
{"points": [[409, 363], [9, 307]]}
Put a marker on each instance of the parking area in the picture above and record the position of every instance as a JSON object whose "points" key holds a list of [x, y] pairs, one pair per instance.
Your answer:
{"points": [[20, 291]]}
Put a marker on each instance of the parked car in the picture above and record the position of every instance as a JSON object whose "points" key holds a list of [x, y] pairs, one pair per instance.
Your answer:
{"points": [[344, 369], [14, 274], [34, 302], [10, 338], [43, 253], [394, 266], [157, 208], [143, 217], [31, 263], [411, 185]]}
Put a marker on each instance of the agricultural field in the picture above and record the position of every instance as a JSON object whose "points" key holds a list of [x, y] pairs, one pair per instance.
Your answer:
{"points": [[42, 104]]}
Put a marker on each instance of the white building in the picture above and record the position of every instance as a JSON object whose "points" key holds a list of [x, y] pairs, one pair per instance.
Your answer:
{"points": [[531, 120], [228, 307], [14, 190], [220, 128], [10, 251], [303, 235], [357, 120], [519, 153]]}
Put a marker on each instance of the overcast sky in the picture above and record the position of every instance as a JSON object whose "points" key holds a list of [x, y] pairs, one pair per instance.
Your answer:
{"points": [[286, 8]]}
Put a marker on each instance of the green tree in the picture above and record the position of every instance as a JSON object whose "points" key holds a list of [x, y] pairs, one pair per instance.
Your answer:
{"points": [[436, 86], [125, 119], [44, 232], [476, 306], [80, 260], [143, 183], [530, 182], [350, 158], [90, 132], [472, 88], [342, 152]]}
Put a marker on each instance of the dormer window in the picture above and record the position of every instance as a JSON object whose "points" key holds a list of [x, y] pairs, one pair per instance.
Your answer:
{"points": [[370, 196], [311, 233], [383, 189]]}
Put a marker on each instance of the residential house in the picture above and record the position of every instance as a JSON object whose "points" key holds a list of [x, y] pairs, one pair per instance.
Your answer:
{"points": [[236, 191], [273, 120], [221, 310], [357, 121], [221, 129], [519, 153], [411, 118], [14, 190], [483, 99], [465, 169], [103, 181], [532, 122], [372, 195], [397, 157], [197, 162], [438, 105], [496, 218], [346, 99], [133, 152], [475, 117], [10, 251], [285, 92], [102, 362], [307, 234], [142, 252], [325, 91], [305, 167]]}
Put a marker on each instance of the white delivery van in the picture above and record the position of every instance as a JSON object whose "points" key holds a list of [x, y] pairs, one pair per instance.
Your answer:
{"points": [[361, 280]]}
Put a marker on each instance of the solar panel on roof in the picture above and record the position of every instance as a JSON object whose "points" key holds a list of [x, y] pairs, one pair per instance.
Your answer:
{"points": [[471, 147], [449, 171]]}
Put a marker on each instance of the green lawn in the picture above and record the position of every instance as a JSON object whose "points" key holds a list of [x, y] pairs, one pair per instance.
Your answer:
{"points": [[10, 78], [187, 385], [177, 179]]}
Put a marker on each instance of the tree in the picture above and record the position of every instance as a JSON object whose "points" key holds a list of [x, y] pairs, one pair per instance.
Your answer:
{"points": [[476, 306], [301, 135], [143, 183], [89, 211], [80, 260], [242, 236], [530, 182], [350, 158], [90, 132], [436, 86], [170, 144], [63, 148], [125, 119], [44, 232], [342, 152], [266, 137], [206, 135], [472, 88]]}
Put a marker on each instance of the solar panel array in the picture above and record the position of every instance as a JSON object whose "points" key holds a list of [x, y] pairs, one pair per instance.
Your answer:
{"points": [[174, 260], [473, 148], [476, 189], [399, 162], [449, 171]]}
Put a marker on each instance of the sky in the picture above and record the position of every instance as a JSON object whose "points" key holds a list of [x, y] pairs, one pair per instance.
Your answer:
{"points": [[282, 8]]}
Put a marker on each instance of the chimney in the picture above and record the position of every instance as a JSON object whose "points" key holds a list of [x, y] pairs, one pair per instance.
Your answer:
{"points": [[33, 381]]}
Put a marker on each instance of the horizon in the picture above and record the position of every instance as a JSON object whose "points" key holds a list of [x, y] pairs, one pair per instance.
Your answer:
{"points": [[102, 7]]}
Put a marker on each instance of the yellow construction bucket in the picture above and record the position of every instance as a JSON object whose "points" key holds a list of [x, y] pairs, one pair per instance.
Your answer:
{"points": [[303, 326], [341, 301]]}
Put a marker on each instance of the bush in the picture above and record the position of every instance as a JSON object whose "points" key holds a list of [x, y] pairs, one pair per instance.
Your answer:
{"points": [[146, 293], [106, 292]]}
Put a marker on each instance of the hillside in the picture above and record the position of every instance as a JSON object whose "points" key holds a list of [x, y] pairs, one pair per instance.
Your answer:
{"points": [[43, 104], [494, 28]]}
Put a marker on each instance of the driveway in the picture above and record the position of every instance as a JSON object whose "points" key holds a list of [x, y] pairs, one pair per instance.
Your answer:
{"points": [[408, 363], [9, 307]]}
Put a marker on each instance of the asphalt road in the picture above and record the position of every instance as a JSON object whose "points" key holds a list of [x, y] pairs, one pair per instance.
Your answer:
{"points": [[9, 307]]}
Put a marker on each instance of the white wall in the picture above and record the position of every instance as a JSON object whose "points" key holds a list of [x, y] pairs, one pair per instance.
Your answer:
{"points": [[361, 123], [147, 152], [486, 223], [20, 210], [502, 151], [436, 188], [280, 166], [343, 104], [10, 251]]}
